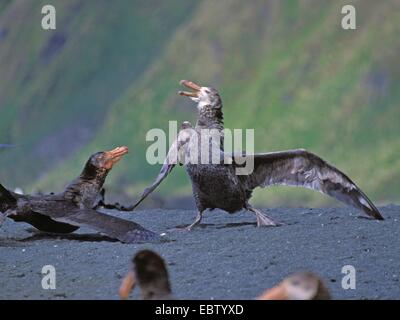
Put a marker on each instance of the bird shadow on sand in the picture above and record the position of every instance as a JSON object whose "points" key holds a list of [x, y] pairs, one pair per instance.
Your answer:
{"points": [[10, 243], [366, 218], [219, 226], [15, 242], [81, 237]]}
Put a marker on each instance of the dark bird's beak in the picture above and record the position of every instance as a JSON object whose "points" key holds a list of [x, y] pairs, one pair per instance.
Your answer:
{"points": [[191, 85], [278, 292], [117, 152], [113, 156], [127, 285]]}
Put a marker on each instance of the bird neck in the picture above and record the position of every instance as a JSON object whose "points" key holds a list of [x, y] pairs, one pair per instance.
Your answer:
{"points": [[210, 117], [156, 292], [85, 189], [94, 175]]}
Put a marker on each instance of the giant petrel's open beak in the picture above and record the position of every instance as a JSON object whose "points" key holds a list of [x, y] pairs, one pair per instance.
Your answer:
{"points": [[113, 156], [191, 85]]}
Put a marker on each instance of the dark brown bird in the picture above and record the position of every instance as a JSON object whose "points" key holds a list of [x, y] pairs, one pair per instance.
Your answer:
{"points": [[76, 205], [150, 273], [216, 182], [299, 286]]}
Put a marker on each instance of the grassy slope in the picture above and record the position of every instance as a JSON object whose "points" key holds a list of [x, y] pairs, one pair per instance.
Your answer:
{"points": [[285, 69], [56, 86]]}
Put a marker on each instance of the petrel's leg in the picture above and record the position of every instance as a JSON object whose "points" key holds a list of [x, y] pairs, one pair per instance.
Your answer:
{"points": [[262, 219], [196, 222]]}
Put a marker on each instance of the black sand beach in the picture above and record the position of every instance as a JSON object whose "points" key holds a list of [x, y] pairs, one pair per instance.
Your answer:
{"points": [[226, 258]]}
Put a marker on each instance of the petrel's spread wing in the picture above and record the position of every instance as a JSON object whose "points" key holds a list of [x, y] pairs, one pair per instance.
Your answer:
{"points": [[164, 172], [304, 169], [114, 227], [174, 156]]}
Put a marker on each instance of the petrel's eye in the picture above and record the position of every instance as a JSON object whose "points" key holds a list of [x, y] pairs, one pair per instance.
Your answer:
{"points": [[208, 91]]}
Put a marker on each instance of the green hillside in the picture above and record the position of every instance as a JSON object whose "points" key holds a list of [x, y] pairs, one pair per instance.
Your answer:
{"points": [[285, 68], [56, 86]]}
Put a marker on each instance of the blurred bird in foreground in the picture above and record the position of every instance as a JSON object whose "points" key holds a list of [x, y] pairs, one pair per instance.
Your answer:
{"points": [[299, 286], [149, 272]]}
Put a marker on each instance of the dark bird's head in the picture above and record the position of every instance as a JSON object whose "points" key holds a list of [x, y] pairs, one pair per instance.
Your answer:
{"points": [[100, 164], [299, 286], [208, 100], [107, 159], [92, 178], [150, 273]]}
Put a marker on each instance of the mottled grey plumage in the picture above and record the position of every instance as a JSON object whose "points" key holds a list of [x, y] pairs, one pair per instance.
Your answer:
{"points": [[219, 186], [76, 206]]}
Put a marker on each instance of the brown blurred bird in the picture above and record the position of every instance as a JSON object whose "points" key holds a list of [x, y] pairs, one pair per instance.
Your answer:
{"points": [[299, 286], [76, 206], [148, 270], [216, 182]]}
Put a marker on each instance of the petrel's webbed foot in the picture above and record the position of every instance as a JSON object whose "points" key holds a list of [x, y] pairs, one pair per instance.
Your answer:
{"points": [[263, 220]]}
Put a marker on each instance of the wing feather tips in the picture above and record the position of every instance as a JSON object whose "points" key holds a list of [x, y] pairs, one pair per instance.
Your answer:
{"points": [[354, 197], [368, 207], [376, 214], [359, 200]]}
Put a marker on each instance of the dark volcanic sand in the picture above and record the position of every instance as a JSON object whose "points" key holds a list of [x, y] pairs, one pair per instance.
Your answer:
{"points": [[227, 258]]}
